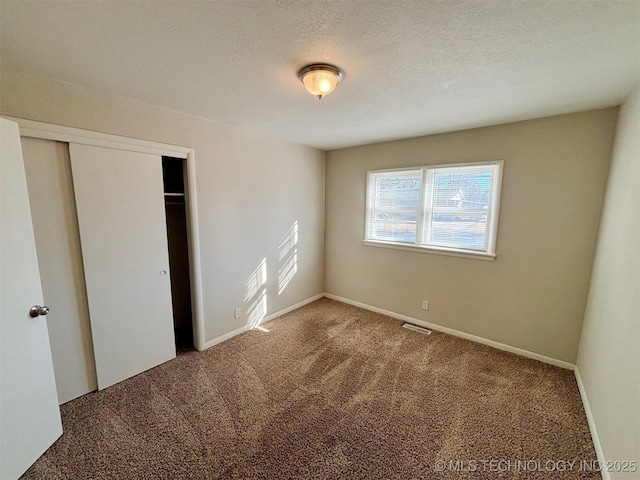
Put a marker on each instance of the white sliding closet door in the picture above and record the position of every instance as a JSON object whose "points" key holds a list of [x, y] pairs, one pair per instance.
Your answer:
{"points": [[55, 225], [121, 217]]}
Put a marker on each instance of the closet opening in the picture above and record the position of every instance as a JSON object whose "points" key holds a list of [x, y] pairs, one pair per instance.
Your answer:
{"points": [[174, 173]]}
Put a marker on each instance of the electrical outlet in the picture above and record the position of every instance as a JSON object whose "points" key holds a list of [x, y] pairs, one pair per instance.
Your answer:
{"points": [[425, 304], [236, 313]]}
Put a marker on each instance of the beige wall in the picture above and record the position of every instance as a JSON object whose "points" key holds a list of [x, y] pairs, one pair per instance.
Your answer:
{"points": [[609, 356], [250, 189], [533, 295]]}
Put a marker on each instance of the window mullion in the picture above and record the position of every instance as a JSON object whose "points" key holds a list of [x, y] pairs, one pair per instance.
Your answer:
{"points": [[420, 217], [428, 204]]}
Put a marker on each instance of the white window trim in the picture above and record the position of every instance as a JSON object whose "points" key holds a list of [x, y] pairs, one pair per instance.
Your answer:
{"points": [[494, 212], [432, 249]]}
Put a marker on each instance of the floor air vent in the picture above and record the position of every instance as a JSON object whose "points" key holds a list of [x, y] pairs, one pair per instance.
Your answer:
{"points": [[415, 328]]}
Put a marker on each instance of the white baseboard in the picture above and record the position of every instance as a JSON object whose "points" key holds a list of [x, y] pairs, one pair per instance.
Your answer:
{"points": [[224, 337], [238, 331], [457, 333], [291, 308], [592, 425]]}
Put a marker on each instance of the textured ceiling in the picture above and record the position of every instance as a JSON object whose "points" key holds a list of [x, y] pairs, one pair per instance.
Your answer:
{"points": [[411, 67]]}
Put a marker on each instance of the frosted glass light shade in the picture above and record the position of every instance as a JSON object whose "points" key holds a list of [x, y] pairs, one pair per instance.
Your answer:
{"points": [[320, 79], [320, 83]]}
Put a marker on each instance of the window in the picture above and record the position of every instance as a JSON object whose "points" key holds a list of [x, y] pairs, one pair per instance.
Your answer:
{"points": [[450, 208]]}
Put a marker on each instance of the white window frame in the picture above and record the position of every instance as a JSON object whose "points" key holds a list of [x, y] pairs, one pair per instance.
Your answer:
{"points": [[428, 171]]}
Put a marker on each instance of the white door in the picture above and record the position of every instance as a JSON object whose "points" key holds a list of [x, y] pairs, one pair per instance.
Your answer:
{"points": [[123, 236], [29, 413]]}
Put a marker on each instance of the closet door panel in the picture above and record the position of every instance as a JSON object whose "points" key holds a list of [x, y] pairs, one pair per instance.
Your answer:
{"points": [[55, 225], [120, 204]]}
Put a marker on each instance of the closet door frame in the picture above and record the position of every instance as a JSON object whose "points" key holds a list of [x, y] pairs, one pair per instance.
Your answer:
{"points": [[48, 131]]}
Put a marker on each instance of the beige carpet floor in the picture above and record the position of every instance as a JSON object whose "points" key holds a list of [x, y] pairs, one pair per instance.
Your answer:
{"points": [[330, 391]]}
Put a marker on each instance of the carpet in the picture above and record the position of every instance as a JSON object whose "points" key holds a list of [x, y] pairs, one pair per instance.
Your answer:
{"points": [[330, 391]]}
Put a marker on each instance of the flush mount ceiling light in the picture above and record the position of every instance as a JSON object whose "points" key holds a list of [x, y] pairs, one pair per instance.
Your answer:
{"points": [[320, 78]]}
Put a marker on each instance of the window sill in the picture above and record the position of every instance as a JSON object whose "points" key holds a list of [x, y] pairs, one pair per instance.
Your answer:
{"points": [[490, 257]]}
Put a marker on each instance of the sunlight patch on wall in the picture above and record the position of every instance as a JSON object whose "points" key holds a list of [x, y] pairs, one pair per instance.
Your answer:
{"points": [[288, 242], [255, 281], [257, 311], [288, 270], [255, 293], [288, 256]]}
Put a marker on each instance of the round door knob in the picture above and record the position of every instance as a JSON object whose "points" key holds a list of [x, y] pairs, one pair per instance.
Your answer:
{"points": [[38, 310]]}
